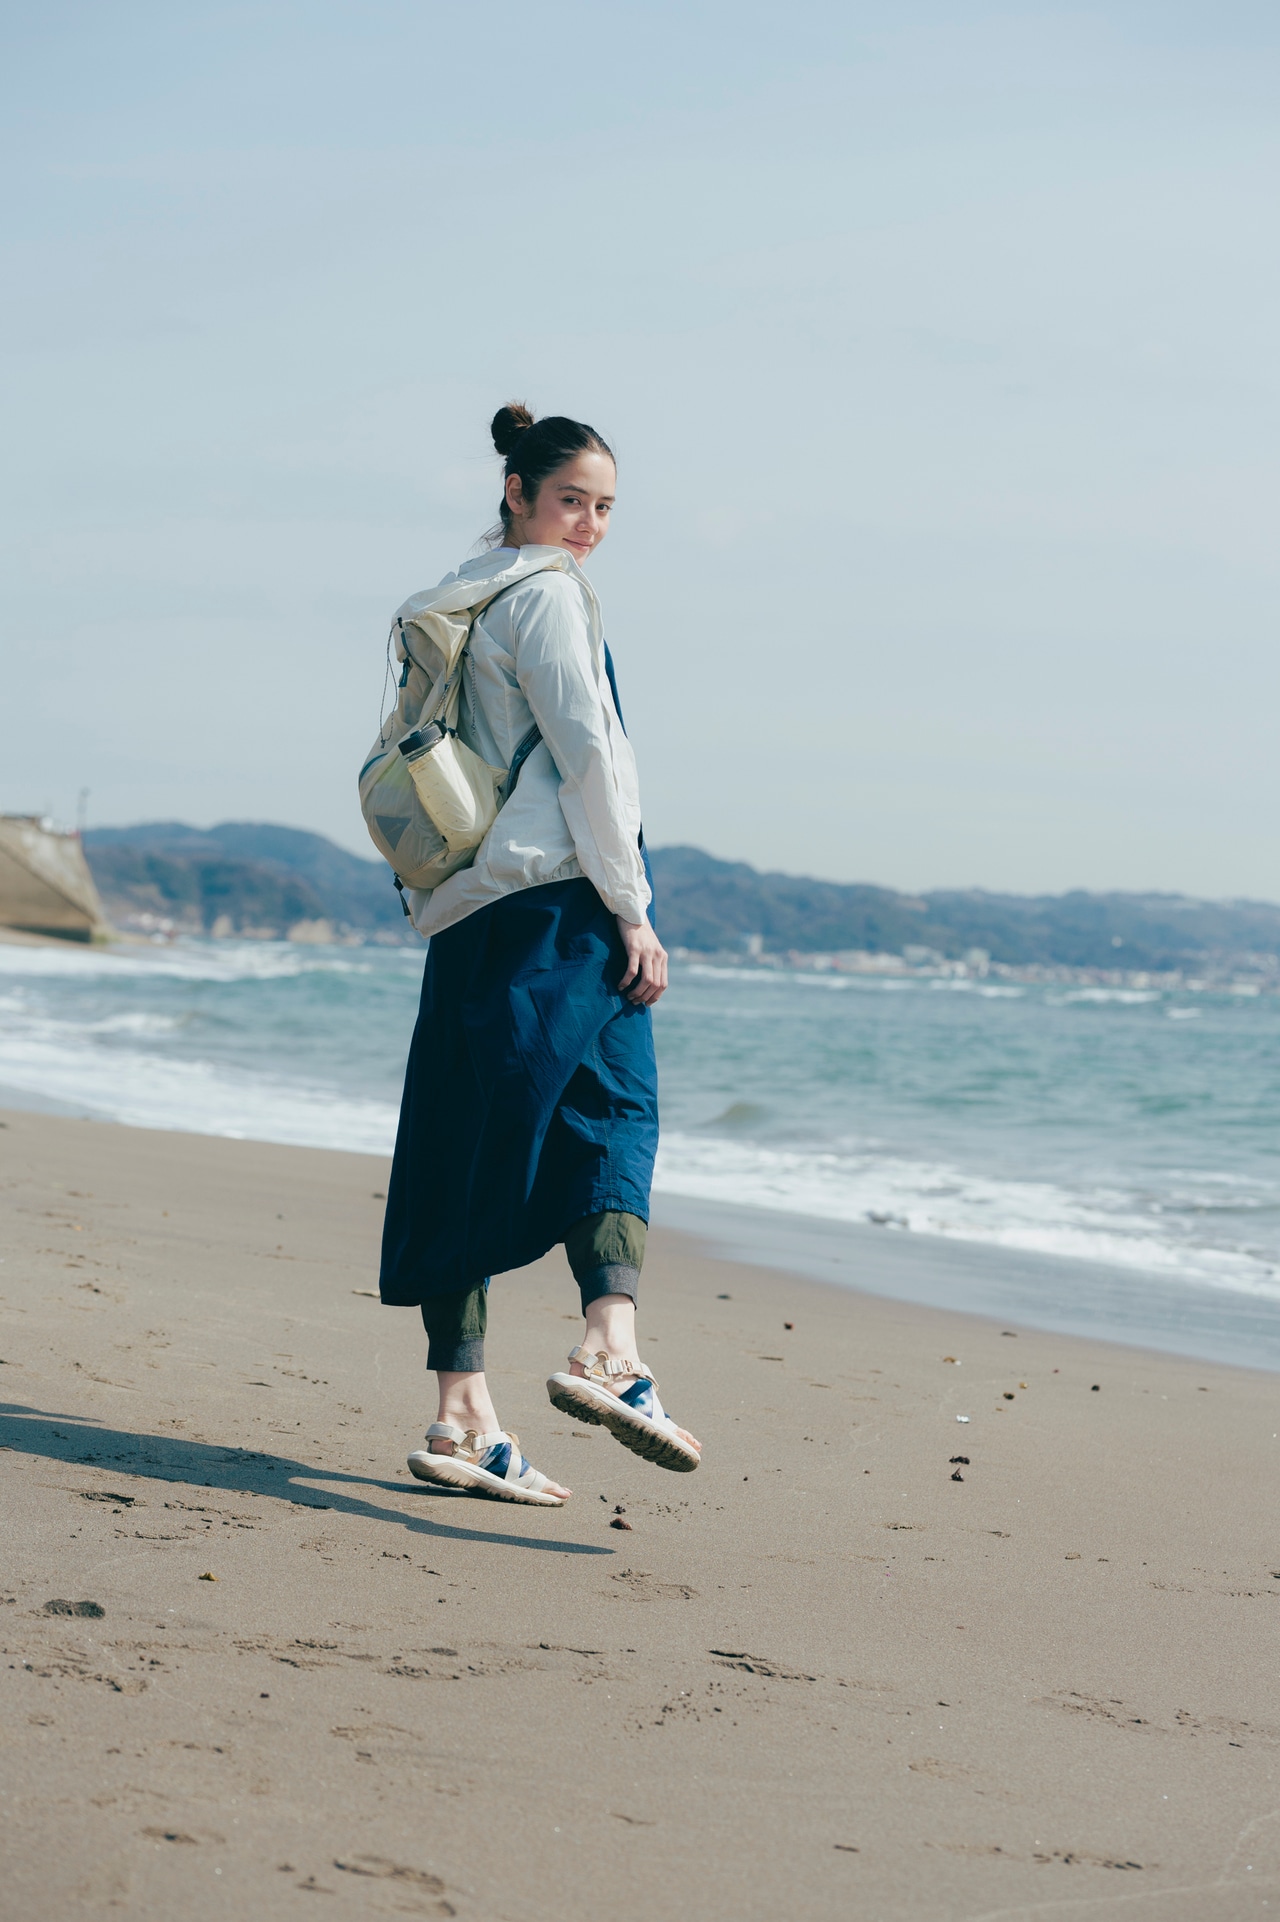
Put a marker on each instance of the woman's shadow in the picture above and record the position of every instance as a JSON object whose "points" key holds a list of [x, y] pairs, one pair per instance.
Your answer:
{"points": [[240, 1471]]}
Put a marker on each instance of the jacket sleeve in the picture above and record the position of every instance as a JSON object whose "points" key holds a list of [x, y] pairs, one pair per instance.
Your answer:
{"points": [[569, 698]]}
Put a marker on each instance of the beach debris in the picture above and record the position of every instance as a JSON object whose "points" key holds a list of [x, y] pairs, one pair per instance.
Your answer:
{"points": [[386, 1870], [377, 1195], [1096, 1389], [788, 1324], [1072, 1557], [847, 1848], [105, 1495], [959, 1458], [619, 1509], [956, 1476], [372, 1293], [724, 1297], [962, 1418], [207, 1577], [1009, 1334], [58, 1606], [1022, 1384], [1008, 1394], [617, 1522], [951, 1358], [759, 1665]]}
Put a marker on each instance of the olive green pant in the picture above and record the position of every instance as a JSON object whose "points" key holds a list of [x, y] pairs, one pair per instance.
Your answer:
{"points": [[606, 1254]]}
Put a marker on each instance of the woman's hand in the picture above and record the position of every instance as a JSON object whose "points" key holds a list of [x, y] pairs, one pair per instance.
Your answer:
{"points": [[646, 977]]}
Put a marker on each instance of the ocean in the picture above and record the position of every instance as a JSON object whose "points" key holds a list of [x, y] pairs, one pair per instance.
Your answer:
{"points": [[1101, 1160]]}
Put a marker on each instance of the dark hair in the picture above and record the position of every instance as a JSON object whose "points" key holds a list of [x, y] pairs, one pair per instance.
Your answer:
{"points": [[534, 449]]}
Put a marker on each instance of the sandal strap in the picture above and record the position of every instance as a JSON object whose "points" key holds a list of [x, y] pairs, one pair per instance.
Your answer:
{"points": [[599, 1369], [521, 1472], [466, 1442], [604, 1368], [470, 1446]]}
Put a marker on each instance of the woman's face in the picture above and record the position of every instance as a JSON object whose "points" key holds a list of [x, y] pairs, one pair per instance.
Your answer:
{"points": [[571, 508]]}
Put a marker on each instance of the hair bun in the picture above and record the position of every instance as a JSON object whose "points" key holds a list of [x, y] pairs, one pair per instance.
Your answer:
{"points": [[508, 424]]}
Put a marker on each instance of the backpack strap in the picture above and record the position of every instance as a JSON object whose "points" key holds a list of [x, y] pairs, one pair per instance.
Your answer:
{"points": [[441, 696], [439, 700], [523, 750]]}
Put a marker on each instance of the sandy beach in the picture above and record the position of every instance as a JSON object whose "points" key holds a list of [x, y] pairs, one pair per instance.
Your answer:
{"points": [[252, 1669]]}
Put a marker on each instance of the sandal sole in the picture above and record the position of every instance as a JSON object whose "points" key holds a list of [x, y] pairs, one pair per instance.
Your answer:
{"points": [[573, 1397], [464, 1480]]}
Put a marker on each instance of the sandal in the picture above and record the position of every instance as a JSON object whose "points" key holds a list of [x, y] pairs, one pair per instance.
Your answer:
{"points": [[634, 1415], [482, 1465]]}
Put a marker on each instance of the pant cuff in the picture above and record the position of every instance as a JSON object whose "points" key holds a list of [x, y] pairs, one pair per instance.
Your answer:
{"points": [[611, 1278], [456, 1357]]}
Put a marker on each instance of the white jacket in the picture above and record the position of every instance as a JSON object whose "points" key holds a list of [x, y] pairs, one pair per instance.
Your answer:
{"points": [[537, 654]]}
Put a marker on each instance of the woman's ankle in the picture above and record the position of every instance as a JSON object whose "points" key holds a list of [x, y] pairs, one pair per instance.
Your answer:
{"points": [[611, 1327], [465, 1403]]}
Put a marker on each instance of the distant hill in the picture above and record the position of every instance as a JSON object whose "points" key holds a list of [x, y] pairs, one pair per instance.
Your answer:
{"points": [[712, 905], [249, 876], [241, 876]]}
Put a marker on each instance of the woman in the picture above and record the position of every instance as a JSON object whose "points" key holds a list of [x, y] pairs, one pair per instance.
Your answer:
{"points": [[530, 1104]]}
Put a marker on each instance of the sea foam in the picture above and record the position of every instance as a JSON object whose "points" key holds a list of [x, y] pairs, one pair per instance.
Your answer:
{"points": [[975, 1112]]}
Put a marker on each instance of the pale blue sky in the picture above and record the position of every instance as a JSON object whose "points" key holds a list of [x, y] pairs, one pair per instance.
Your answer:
{"points": [[938, 343]]}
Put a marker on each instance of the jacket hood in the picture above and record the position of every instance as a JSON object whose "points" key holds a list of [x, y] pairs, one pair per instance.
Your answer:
{"points": [[445, 613]]}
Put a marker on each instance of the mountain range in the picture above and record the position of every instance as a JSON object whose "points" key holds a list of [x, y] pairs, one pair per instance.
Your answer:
{"points": [[253, 877]]}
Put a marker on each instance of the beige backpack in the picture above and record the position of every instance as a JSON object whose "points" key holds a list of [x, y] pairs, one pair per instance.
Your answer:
{"points": [[428, 799]]}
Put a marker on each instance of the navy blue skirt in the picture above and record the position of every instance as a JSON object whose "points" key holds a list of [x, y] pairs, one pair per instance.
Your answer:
{"points": [[531, 1097]]}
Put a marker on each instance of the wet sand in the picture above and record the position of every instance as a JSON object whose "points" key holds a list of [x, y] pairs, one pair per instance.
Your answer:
{"points": [[819, 1678]]}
